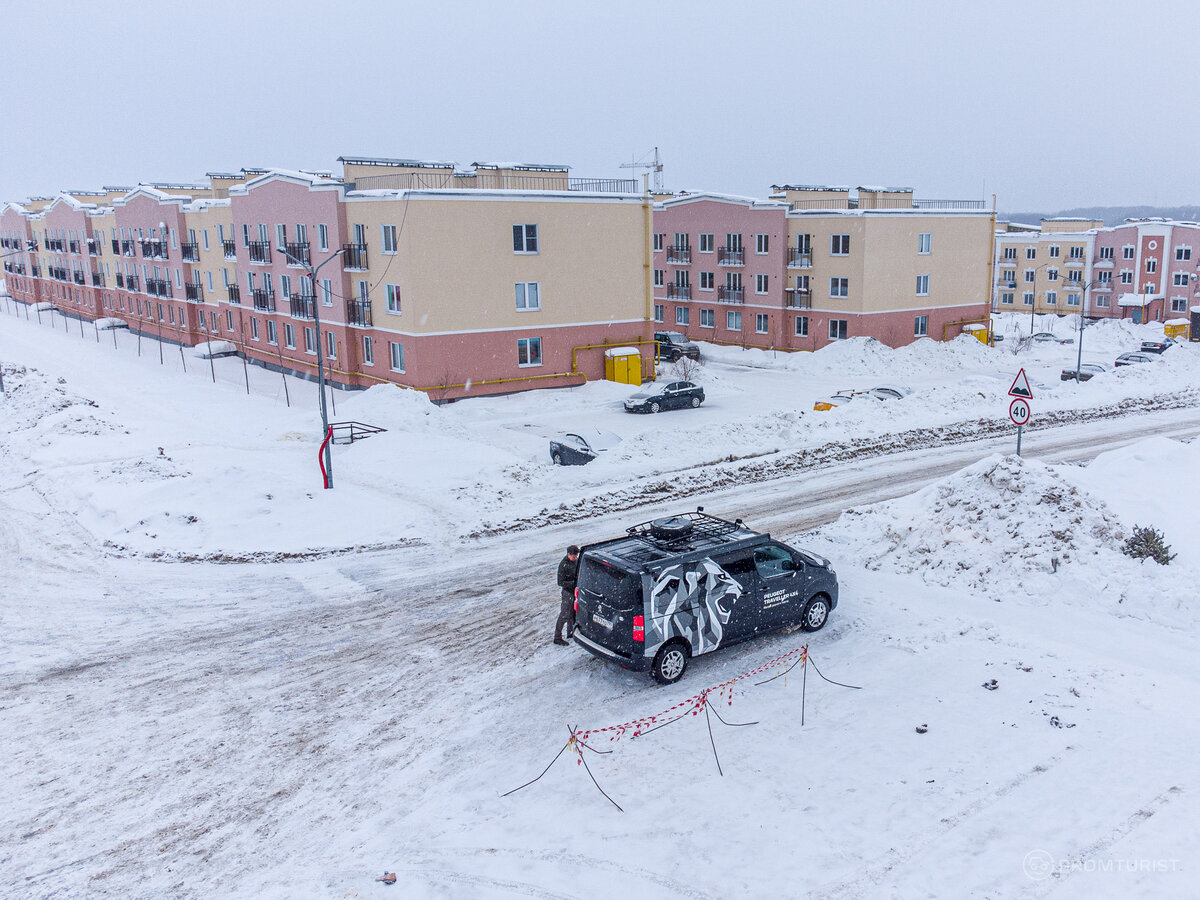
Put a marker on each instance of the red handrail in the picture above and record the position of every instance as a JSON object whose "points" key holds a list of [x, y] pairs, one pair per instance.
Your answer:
{"points": [[321, 457]]}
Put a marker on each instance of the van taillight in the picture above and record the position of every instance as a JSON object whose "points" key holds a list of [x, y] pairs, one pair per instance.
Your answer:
{"points": [[576, 599], [639, 629]]}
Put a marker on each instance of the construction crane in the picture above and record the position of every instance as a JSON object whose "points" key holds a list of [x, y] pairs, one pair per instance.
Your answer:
{"points": [[654, 167]]}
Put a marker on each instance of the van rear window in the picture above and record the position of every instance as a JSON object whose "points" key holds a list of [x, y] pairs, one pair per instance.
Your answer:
{"points": [[619, 589]]}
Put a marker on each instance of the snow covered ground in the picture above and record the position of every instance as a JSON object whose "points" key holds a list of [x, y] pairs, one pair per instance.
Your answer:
{"points": [[219, 680]]}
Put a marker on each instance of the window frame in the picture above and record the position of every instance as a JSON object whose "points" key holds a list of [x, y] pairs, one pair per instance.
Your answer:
{"points": [[526, 234], [531, 349]]}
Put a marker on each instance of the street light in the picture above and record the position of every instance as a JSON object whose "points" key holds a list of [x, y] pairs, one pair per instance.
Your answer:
{"points": [[1033, 305], [1082, 311], [312, 275]]}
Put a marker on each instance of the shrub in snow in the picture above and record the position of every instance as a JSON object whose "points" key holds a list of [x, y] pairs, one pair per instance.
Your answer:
{"points": [[685, 368], [1148, 543]]}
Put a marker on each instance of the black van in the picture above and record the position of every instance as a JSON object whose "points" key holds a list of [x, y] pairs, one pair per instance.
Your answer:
{"points": [[676, 587]]}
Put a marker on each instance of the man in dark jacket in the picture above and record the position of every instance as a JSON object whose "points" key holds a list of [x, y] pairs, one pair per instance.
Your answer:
{"points": [[568, 573]]}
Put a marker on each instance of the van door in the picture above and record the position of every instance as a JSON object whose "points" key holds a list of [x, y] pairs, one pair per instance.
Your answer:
{"points": [[607, 600], [747, 611], [697, 601], [782, 581]]}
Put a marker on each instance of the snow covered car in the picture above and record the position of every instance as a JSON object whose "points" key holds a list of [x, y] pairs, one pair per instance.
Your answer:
{"points": [[215, 349], [580, 447], [1086, 372], [107, 323], [1045, 337], [841, 398], [674, 588], [883, 392], [1132, 358], [1157, 346], [668, 395]]}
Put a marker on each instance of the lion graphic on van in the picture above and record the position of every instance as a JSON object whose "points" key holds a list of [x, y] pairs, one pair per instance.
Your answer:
{"points": [[692, 601]]}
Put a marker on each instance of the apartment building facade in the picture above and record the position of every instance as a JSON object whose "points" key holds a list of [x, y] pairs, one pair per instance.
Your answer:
{"points": [[459, 282], [814, 264], [1146, 270]]}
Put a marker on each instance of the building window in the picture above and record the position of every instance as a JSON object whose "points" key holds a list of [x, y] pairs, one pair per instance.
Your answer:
{"points": [[254, 328], [1180, 279], [326, 292], [331, 345], [1054, 251], [210, 280], [1075, 275], [396, 352], [1006, 299], [272, 332], [1008, 276], [839, 245], [659, 312], [1030, 275], [1052, 274], [681, 315], [393, 298], [1072, 299], [1051, 298], [733, 320], [525, 239], [659, 240], [1031, 252], [310, 341], [1178, 305], [839, 287], [658, 278], [229, 320], [368, 351], [289, 336], [760, 283], [529, 352], [762, 243], [1126, 276], [922, 285], [1010, 252], [921, 326], [837, 329], [1105, 278], [1152, 265], [322, 237], [528, 295], [801, 326], [707, 281], [1076, 252], [706, 243], [1102, 300], [387, 238], [925, 242], [707, 319], [1106, 253], [1127, 251], [761, 323], [1027, 298], [1183, 254], [681, 241]]}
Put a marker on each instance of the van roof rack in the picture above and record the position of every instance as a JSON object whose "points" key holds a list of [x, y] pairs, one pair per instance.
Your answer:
{"points": [[685, 531]]}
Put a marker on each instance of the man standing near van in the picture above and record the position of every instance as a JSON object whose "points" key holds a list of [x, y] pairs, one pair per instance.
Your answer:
{"points": [[568, 573]]}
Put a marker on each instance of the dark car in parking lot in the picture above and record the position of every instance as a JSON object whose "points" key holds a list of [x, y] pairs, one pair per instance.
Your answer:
{"points": [[580, 447], [678, 587], [1086, 372], [672, 345], [1157, 346], [1132, 358], [668, 395]]}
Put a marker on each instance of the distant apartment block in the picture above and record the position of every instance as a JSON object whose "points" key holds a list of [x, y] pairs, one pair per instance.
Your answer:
{"points": [[1145, 270], [457, 281], [814, 264]]}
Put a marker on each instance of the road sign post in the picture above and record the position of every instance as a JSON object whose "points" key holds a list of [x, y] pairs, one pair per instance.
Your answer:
{"points": [[1019, 410]]}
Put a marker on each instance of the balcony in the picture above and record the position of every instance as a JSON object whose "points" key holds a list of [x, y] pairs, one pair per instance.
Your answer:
{"points": [[679, 292], [799, 259], [116, 247], [121, 280], [797, 298], [93, 247], [127, 249], [193, 292], [77, 277], [302, 306], [131, 283], [263, 299], [73, 247], [235, 294], [97, 279], [298, 254], [358, 312], [260, 252], [158, 287], [155, 250], [190, 252], [731, 295], [34, 271], [230, 249], [679, 255], [55, 245], [727, 256], [354, 256]]}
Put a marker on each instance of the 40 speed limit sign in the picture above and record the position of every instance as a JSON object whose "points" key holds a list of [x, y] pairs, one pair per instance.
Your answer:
{"points": [[1018, 411]]}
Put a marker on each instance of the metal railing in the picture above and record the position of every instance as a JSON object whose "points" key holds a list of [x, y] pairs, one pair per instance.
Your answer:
{"points": [[358, 312], [682, 255], [155, 250], [193, 292], [73, 247], [484, 180], [190, 252], [354, 256], [679, 292], [731, 257], [799, 259], [301, 306], [128, 249], [230, 249], [93, 246], [77, 277], [298, 253], [97, 279], [235, 294], [260, 252], [116, 247], [131, 282], [263, 299], [797, 298], [731, 295]]}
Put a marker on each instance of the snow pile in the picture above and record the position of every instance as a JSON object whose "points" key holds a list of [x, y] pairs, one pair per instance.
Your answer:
{"points": [[392, 407], [44, 406]]}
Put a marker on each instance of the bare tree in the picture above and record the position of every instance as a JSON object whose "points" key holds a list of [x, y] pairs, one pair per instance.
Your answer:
{"points": [[685, 368]]}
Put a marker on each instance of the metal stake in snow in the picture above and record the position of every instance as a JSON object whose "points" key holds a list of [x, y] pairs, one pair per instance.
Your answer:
{"points": [[1019, 410]]}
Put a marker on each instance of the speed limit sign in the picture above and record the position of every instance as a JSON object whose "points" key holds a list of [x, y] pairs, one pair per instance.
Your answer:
{"points": [[1018, 411]]}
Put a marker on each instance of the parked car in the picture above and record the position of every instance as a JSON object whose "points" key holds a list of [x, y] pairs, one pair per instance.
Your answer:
{"points": [[883, 392], [1086, 371], [580, 447], [674, 588], [890, 392], [1043, 337], [215, 349], [1133, 357], [667, 395], [1157, 346], [672, 345]]}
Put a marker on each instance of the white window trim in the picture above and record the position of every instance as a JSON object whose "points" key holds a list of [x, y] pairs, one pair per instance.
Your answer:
{"points": [[523, 286]]}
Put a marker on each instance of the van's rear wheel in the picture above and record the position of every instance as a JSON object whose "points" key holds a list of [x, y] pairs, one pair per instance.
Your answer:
{"points": [[669, 663], [816, 613]]}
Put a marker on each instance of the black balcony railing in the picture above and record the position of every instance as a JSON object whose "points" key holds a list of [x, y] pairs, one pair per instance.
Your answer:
{"points": [[56, 245], [681, 255], [731, 294], [799, 259], [77, 277], [155, 250], [302, 306], [235, 294], [73, 246], [34, 271], [260, 252], [354, 256], [93, 247], [727, 256], [120, 280], [131, 283], [298, 254], [230, 249], [263, 299], [798, 298], [116, 247], [193, 292], [97, 279], [190, 252], [127, 248], [358, 312], [679, 292]]}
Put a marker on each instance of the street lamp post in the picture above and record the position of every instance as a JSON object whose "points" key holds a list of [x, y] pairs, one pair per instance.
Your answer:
{"points": [[312, 275], [1082, 312], [1033, 305]]}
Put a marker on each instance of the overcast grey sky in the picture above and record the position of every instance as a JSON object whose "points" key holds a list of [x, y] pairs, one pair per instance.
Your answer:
{"points": [[1047, 104]]}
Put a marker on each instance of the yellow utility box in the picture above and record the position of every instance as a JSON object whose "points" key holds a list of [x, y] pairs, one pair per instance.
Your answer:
{"points": [[981, 333], [1176, 328], [623, 365]]}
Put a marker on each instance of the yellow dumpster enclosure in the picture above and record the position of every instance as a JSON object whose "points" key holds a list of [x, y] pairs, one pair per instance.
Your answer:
{"points": [[623, 365], [981, 333], [1176, 328]]}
